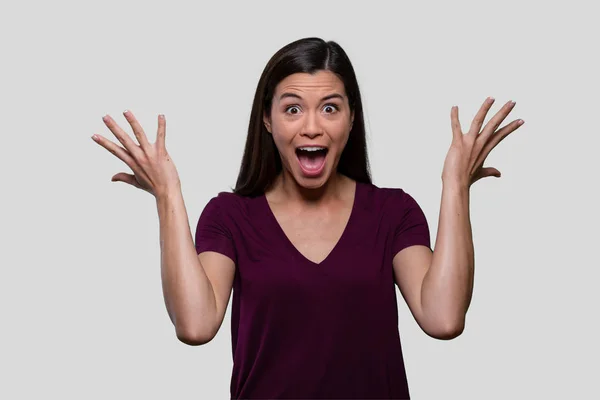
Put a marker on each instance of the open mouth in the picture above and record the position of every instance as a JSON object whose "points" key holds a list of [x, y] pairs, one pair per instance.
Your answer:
{"points": [[312, 158]]}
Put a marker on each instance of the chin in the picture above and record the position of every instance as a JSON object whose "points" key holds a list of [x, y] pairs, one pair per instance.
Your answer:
{"points": [[311, 183]]}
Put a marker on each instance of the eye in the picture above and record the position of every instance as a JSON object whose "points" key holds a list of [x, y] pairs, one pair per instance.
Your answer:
{"points": [[292, 110], [330, 108]]}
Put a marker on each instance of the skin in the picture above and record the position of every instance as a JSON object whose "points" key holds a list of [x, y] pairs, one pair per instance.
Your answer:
{"points": [[311, 109], [196, 287], [437, 286]]}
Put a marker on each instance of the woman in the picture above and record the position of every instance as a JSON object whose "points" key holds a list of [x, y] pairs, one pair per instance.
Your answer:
{"points": [[309, 246]]}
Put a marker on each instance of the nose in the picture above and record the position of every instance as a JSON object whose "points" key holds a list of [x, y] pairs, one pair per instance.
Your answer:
{"points": [[312, 128]]}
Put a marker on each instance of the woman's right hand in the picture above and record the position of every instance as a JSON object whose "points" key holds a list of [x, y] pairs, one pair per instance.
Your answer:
{"points": [[153, 169]]}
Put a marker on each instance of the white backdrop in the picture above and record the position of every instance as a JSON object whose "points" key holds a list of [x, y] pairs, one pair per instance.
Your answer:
{"points": [[81, 303]]}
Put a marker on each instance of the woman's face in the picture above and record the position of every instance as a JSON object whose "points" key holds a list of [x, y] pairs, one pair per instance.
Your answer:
{"points": [[310, 122]]}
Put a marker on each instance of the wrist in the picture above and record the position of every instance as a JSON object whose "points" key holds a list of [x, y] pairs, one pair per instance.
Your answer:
{"points": [[455, 185], [168, 194]]}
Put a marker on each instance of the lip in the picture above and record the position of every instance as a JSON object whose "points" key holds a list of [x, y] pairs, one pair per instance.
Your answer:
{"points": [[312, 173]]}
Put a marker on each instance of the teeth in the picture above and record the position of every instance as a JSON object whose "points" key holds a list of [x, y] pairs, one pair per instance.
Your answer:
{"points": [[311, 148]]}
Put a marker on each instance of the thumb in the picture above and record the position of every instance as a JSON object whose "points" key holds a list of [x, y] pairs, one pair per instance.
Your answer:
{"points": [[127, 178], [485, 172], [490, 171]]}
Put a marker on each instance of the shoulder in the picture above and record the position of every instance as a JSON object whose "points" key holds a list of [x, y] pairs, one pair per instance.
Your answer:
{"points": [[225, 201], [388, 198], [231, 206], [401, 213]]}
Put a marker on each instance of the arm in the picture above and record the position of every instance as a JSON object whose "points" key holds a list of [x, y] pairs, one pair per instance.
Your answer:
{"points": [[196, 288], [438, 287]]}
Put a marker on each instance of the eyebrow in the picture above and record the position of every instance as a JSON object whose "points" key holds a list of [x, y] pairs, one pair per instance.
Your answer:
{"points": [[328, 97]]}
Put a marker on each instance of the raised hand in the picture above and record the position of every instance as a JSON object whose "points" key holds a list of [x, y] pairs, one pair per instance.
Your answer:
{"points": [[153, 168], [464, 162]]}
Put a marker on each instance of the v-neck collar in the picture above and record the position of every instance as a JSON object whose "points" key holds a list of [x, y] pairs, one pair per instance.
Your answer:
{"points": [[293, 248]]}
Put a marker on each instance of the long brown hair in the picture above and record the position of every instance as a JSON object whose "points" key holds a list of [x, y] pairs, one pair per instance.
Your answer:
{"points": [[261, 162]]}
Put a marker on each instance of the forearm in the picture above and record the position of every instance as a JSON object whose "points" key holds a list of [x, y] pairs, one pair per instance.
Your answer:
{"points": [[187, 291], [448, 284]]}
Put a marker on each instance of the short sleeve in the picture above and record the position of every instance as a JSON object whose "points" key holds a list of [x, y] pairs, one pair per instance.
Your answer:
{"points": [[212, 233], [410, 224]]}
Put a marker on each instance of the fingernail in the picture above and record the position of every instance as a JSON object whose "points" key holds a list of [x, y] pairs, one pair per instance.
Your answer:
{"points": [[491, 99], [520, 122], [125, 111], [94, 137], [512, 102]]}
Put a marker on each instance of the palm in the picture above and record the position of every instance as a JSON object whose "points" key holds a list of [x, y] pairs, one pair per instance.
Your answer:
{"points": [[464, 161], [153, 168]]}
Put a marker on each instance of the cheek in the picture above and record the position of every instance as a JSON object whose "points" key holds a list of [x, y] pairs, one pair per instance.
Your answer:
{"points": [[283, 136], [283, 130], [340, 135], [282, 140]]}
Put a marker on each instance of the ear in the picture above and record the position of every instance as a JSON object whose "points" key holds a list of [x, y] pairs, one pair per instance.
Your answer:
{"points": [[351, 120], [267, 122]]}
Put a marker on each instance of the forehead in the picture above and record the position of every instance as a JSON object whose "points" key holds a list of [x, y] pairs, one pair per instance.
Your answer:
{"points": [[319, 83]]}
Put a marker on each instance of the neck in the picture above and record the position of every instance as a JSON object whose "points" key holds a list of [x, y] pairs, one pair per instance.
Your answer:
{"points": [[287, 189]]}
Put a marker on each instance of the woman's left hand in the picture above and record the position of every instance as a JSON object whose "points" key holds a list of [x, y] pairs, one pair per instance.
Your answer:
{"points": [[464, 163]]}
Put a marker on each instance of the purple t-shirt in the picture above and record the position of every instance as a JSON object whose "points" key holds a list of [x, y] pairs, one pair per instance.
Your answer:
{"points": [[312, 331]]}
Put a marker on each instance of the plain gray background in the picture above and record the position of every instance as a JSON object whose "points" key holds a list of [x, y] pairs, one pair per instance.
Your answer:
{"points": [[81, 303]]}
